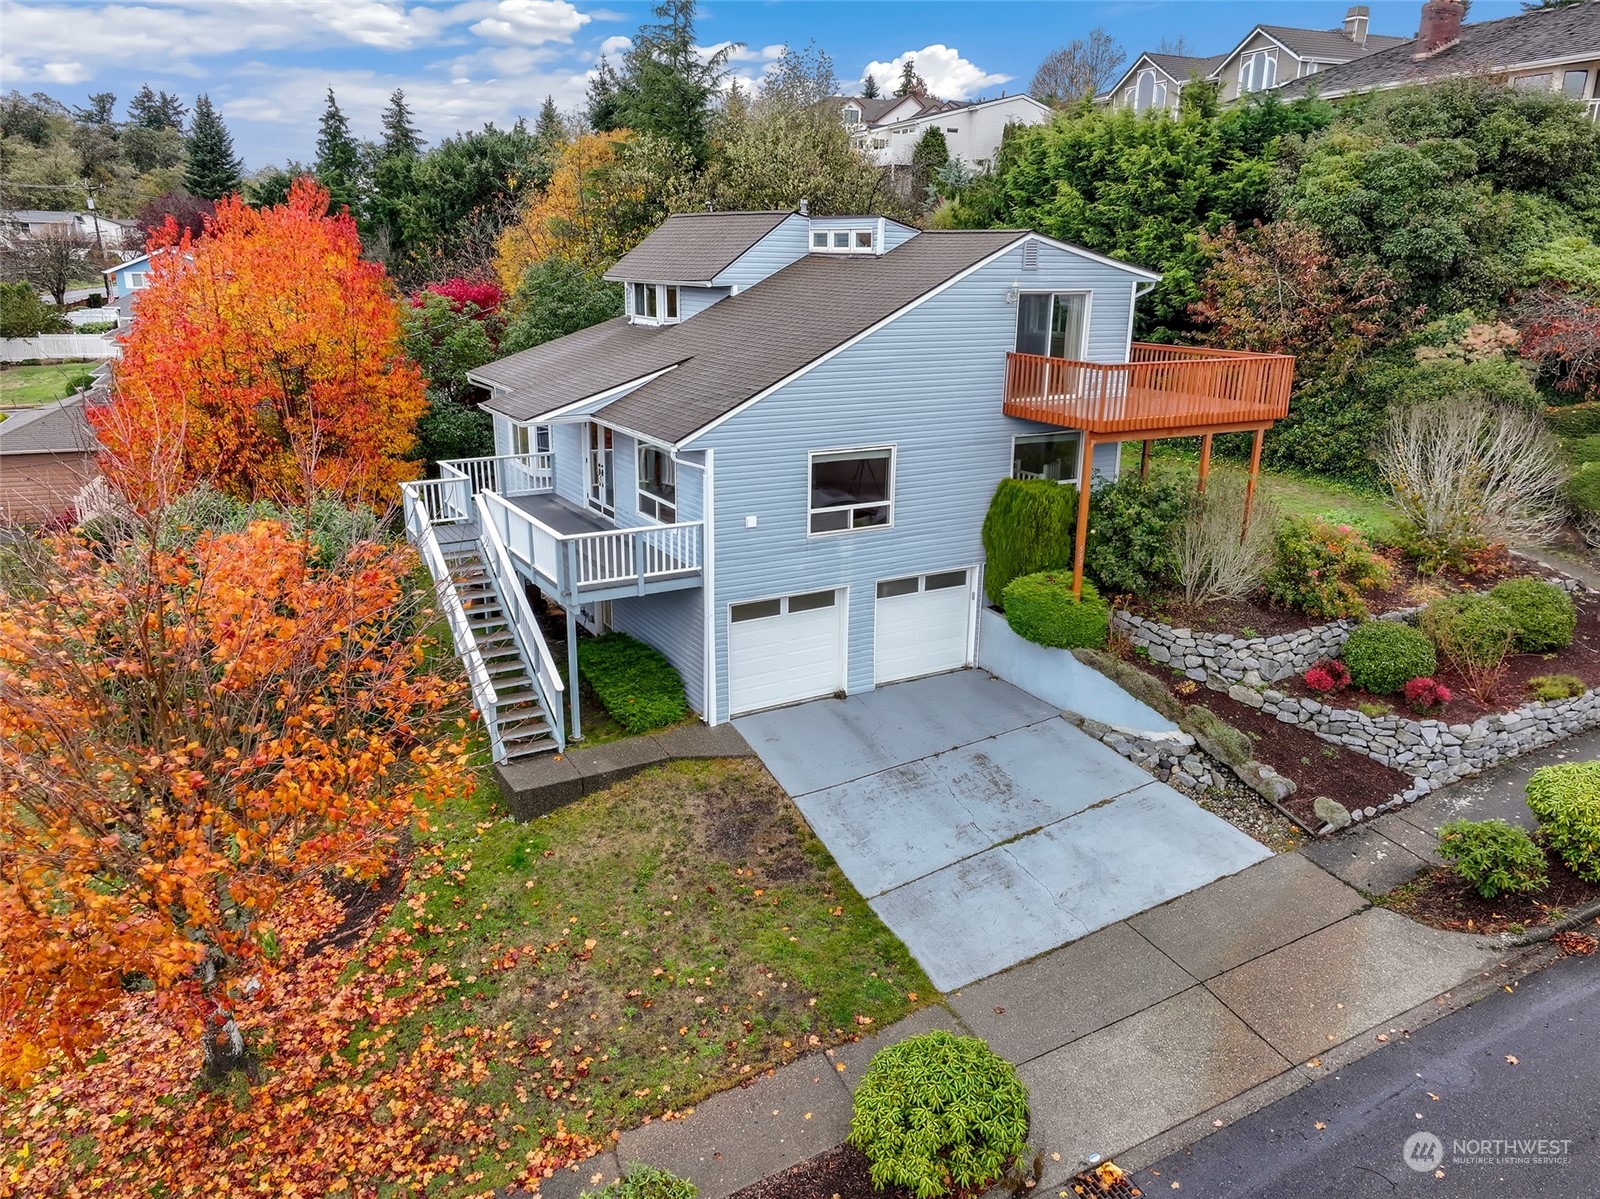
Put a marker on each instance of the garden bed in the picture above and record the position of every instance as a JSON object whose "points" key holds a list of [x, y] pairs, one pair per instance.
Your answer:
{"points": [[1442, 900], [839, 1173]]}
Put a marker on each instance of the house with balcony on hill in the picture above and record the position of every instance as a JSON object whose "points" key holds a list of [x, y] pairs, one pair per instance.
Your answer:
{"points": [[774, 467]]}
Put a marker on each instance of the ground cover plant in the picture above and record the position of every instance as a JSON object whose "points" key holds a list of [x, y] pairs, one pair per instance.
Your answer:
{"points": [[638, 686], [534, 987]]}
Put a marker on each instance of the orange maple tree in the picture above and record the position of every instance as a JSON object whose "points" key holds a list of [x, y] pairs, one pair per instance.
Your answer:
{"points": [[193, 738], [265, 358]]}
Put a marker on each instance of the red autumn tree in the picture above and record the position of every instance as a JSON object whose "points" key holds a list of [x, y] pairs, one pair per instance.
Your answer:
{"points": [[266, 359], [1279, 288], [485, 297], [191, 739]]}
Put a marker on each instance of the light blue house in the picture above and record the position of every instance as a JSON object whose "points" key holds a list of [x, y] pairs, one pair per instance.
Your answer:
{"points": [[775, 467]]}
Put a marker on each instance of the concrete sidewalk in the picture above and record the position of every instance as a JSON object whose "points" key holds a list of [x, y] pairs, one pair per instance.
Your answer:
{"points": [[1227, 992]]}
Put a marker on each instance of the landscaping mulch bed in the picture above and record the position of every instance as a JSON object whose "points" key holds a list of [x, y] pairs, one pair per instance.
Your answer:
{"points": [[840, 1173], [1317, 767], [1259, 617], [1441, 899]]}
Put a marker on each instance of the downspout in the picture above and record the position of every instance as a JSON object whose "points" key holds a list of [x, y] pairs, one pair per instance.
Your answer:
{"points": [[708, 556]]}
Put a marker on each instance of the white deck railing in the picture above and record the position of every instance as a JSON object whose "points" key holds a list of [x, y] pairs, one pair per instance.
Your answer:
{"points": [[509, 474], [1593, 109]]}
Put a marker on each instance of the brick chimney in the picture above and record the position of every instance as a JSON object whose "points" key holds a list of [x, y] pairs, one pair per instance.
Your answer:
{"points": [[1355, 24], [1441, 27]]}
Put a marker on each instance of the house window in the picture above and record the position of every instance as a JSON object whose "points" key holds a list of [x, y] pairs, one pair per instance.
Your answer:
{"points": [[669, 305], [863, 239], [1533, 83], [1151, 92], [819, 239], [658, 485], [530, 439], [1572, 84], [851, 489], [136, 280], [1258, 71], [852, 116], [1053, 323], [1310, 68], [1052, 456], [843, 241], [654, 303]]}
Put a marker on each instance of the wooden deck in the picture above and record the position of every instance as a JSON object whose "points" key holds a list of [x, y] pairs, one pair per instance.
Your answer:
{"points": [[1163, 391]]}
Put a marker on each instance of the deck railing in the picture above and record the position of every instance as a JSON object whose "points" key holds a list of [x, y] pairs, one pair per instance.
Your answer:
{"points": [[1160, 388], [1592, 107]]}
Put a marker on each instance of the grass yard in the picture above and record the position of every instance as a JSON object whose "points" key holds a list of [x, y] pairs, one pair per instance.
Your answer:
{"points": [[534, 989], [1294, 494], [30, 386]]}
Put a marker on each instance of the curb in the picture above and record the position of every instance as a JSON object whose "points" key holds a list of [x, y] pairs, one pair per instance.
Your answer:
{"points": [[1582, 916]]}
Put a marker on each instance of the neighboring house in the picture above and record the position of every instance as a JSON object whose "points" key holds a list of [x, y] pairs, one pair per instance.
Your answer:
{"points": [[124, 282], [1267, 56], [1548, 50], [775, 467], [25, 224], [889, 128], [46, 461]]}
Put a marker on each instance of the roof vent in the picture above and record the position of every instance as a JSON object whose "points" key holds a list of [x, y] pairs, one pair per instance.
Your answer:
{"points": [[1030, 256]]}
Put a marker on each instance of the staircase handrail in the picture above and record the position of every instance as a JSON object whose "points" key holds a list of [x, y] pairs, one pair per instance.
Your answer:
{"points": [[483, 692], [521, 620]]}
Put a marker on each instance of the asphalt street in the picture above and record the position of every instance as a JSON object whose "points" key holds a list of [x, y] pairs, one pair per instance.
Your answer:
{"points": [[1518, 1066]]}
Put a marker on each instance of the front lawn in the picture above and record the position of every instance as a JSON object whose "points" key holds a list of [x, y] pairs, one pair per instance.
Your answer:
{"points": [[30, 386], [536, 988]]}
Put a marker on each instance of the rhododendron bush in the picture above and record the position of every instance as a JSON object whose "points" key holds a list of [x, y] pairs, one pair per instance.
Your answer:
{"points": [[266, 359], [193, 738]]}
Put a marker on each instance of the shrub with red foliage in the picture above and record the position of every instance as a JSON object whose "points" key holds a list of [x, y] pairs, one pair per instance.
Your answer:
{"points": [[485, 297], [1328, 676], [1561, 336], [1426, 695]]}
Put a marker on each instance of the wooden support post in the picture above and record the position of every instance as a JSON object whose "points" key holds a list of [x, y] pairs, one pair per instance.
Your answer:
{"points": [[1205, 461], [1250, 487], [1083, 518], [1144, 462], [575, 730]]}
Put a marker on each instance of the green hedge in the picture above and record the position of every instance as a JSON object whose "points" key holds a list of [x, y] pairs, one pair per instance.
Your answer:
{"points": [[1384, 656], [1029, 528], [939, 1114], [1565, 800], [1544, 615], [1042, 608], [636, 684]]}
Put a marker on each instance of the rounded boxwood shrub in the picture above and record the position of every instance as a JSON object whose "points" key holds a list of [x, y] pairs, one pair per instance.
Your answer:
{"points": [[937, 1114], [1565, 800], [1544, 615], [1041, 607], [646, 1182], [1383, 655], [1474, 632], [1496, 858]]}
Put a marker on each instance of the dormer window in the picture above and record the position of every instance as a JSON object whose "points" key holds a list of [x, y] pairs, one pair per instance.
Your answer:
{"points": [[653, 303], [843, 241], [852, 116]]}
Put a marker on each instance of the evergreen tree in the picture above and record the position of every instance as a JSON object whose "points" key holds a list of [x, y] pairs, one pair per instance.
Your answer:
{"points": [[156, 110], [549, 130], [210, 168], [666, 87], [338, 157], [930, 154], [401, 138], [603, 99], [101, 109], [869, 87], [910, 81]]}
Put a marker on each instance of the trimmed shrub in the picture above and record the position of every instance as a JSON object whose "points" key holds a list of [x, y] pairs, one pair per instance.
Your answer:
{"points": [[1565, 800], [1328, 676], [1133, 534], [1029, 528], [1544, 615], [1496, 858], [938, 1114], [1556, 686], [633, 681], [1425, 695], [1475, 634], [1582, 490], [646, 1182], [1321, 569], [1383, 654], [1041, 607]]}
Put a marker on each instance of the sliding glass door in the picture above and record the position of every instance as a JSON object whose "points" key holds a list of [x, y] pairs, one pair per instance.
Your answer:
{"points": [[1052, 323]]}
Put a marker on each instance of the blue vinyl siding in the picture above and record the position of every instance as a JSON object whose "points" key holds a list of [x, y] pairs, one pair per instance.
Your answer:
{"points": [[785, 244], [673, 622], [931, 385], [566, 457], [694, 300]]}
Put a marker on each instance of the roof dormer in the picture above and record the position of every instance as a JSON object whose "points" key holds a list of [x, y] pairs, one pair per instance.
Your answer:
{"points": [[653, 303]]}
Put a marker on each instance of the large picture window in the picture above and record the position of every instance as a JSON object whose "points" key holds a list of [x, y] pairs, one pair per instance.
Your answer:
{"points": [[851, 489], [658, 485], [1258, 71], [1054, 324], [1052, 456]]}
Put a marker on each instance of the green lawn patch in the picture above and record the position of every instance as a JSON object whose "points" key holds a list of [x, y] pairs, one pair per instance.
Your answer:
{"points": [[30, 386], [634, 681], [687, 932]]}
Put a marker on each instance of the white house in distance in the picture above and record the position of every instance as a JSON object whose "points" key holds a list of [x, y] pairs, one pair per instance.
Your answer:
{"points": [[889, 127], [1267, 56]]}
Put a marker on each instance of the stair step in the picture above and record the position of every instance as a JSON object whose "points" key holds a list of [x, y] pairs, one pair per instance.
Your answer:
{"points": [[511, 699]]}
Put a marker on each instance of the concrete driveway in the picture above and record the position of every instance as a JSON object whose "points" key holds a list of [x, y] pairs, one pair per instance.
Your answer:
{"points": [[981, 826]]}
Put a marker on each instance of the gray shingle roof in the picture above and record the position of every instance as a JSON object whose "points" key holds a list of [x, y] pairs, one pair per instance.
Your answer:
{"points": [[1484, 48], [1330, 45], [58, 428], [1182, 67], [737, 348], [694, 247]]}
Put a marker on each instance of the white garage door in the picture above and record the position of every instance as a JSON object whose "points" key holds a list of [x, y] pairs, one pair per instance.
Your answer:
{"points": [[783, 650], [923, 625]]}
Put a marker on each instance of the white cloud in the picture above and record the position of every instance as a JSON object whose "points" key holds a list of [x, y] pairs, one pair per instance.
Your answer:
{"points": [[614, 47], [948, 75], [530, 22]]}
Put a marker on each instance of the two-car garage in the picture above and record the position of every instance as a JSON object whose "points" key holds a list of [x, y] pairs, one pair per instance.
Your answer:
{"points": [[794, 647]]}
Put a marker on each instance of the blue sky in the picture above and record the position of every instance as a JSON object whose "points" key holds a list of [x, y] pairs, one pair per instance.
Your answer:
{"points": [[268, 63]]}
